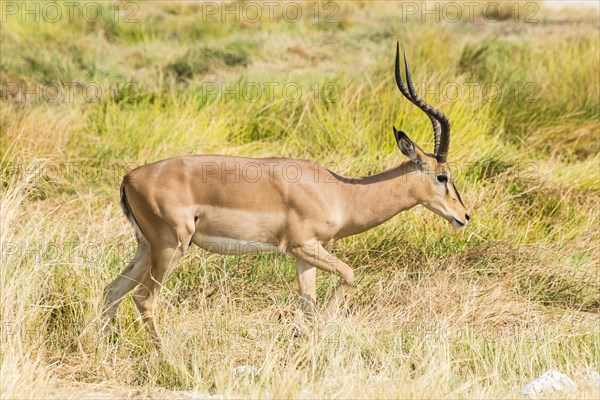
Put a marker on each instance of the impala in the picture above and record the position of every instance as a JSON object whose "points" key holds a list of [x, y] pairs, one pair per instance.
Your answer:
{"points": [[233, 205]]}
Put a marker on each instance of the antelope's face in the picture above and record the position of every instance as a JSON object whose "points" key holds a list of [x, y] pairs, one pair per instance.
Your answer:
{"points": [[435, 190], [441, 195]]}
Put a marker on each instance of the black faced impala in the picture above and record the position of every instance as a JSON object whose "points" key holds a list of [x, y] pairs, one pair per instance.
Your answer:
{"points": [[233, 205]]}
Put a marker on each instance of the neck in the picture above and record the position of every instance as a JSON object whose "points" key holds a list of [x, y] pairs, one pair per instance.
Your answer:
{"points": [[372, 200]]}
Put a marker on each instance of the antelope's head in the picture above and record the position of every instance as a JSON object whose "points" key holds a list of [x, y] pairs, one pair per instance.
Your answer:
{"points": [[436, 190]]}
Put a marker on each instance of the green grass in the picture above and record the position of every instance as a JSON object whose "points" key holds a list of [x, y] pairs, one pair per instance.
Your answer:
{"points": [[433, 312]]}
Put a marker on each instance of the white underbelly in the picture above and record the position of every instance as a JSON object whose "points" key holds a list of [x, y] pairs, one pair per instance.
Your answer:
{"points": [[228, 246]]}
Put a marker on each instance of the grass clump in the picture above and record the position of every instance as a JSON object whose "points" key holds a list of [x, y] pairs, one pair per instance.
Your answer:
{"points": [[200, 60]]}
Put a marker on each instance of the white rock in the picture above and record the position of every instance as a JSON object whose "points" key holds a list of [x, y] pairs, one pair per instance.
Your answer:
{"points": [[593, 375], [550, 381], [379, 378], [198, 395], [245, 370]]}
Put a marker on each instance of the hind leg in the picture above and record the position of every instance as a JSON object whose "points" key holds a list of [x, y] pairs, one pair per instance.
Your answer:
{"points": [[165, 254], [163, 261], [128, 279]]}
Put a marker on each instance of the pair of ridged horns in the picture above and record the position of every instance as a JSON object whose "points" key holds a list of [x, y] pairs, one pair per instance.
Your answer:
{"points": [[441, 124]]}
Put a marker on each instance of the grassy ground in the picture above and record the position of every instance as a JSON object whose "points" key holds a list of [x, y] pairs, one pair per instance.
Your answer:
{"points": [[433, 312]]}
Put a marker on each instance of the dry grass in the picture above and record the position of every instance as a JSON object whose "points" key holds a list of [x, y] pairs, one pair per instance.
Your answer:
{"points": [[434, 313]]}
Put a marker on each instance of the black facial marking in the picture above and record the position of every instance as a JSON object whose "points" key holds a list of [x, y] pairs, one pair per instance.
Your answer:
{"points": [[457, 194]]}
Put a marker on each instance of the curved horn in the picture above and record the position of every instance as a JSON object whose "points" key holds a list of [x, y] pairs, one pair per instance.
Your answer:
{"points": [[442, 139], [437, 129]]}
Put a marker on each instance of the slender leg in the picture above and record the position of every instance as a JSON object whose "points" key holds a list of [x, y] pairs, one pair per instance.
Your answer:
{"points": [[128, 279], [307, 282], [145, 297], [313, 253]]}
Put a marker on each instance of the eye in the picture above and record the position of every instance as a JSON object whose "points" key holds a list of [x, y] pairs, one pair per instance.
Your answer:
{"points": [[442, 178]]}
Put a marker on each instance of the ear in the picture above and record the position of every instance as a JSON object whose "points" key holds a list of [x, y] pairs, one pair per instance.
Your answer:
{"points": [[407, 147]]}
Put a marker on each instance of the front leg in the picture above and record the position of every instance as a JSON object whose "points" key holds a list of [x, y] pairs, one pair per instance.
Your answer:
{"points": [[314, 254], [307, 282]]}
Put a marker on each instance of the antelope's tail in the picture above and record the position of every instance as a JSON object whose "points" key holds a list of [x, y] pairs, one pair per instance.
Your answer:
{"points": [[128, 213]]}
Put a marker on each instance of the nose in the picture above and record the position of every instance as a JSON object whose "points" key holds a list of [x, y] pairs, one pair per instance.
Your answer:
{"points": [[467, 216]]}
